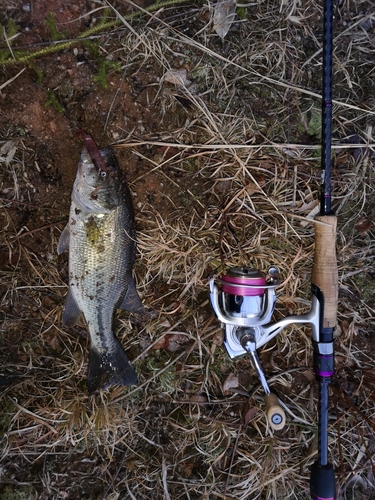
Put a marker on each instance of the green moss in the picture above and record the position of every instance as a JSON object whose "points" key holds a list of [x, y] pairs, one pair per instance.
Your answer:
{"points": [[20, 493], [39, 72], [54, 102], [22, 56], [241, 12], [364, 283], [7, 36], [50, 22], [314, 123], [6, 415], [103, 67]]}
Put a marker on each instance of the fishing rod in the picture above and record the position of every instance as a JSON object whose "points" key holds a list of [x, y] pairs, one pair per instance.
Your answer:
{"points": [[244, 299], [324, 279]]}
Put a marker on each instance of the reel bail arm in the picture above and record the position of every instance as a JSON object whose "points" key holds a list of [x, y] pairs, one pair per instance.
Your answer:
{"points": [[275, 413]]}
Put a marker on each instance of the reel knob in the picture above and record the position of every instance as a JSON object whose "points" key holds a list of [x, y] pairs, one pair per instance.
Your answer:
{"points": [[275, 414]]}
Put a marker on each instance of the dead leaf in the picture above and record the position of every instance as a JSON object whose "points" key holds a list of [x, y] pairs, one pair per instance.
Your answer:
{"points": [[170, 342], [224, 368], [8, 151], [230, 382], [295, 19], [248, 412], [218, 338], [177, 76], [54, 343], [252, 188], [311, 215], [200, 399], [187, 467], [168, 152], [344, 325], [309, 375], [162, 343], [175, 340], [116, 392], [224, 12], [363, 226]]}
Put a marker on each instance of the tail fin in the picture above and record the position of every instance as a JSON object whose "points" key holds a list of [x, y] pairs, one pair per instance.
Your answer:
{"points": [[109, 367]]}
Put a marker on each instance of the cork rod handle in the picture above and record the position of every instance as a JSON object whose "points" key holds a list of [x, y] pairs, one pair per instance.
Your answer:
{"points": [[324, 270]]}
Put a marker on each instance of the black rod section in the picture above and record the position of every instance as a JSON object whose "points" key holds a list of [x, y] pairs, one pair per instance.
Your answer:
{"points": [[325, 200], [323, 423]]}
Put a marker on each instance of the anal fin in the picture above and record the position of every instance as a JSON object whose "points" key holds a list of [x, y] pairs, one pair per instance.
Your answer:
{"points": [[132, 302]]}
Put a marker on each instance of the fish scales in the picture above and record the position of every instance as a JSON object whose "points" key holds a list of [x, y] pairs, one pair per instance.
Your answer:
{"points": [[100, 235], [100, 265]]}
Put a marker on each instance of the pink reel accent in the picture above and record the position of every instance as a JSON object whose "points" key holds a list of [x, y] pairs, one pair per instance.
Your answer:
{"points": [[247, 291]]}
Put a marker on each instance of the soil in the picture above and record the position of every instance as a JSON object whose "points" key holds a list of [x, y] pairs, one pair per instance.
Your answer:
{"points": [[108, 114]]}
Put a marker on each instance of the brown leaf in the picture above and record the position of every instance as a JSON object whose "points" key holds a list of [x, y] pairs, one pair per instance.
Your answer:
{"points": [[54, 343], [224, 13], [252, 188], [162, 343], [248, 412], [171, 342], [200, 399], [307, 207], [363, 225], [187, 467], [309, 375], [177, 77], [167, 151], [218, 338], [230, 382], [344, 325], [116, 392]]}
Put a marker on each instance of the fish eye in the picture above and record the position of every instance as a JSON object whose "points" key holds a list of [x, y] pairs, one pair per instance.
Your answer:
{"points": [[103, 174]]}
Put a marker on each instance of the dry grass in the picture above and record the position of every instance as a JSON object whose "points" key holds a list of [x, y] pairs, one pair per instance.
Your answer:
{"points": [[240, 176]]}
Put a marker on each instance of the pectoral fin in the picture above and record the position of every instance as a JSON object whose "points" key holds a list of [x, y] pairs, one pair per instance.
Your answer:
{"points": [[71, 311], [64, 240], [132, 302]]}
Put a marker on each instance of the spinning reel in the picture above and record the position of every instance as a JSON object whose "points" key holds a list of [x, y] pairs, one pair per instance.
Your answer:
{"points": [[244, 301]]}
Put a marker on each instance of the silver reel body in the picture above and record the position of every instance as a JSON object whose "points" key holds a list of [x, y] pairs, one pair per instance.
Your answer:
{"points": [[244, 301]]}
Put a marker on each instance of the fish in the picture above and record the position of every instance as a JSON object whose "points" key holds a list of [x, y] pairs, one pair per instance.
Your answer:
{"points": [[101, 239]]}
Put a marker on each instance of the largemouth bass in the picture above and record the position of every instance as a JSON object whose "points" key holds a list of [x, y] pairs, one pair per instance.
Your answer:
{"points": [[100, 235]]}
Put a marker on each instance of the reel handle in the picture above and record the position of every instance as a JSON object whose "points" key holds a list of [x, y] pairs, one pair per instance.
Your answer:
{"points": [[275, 414], [324, 269]]}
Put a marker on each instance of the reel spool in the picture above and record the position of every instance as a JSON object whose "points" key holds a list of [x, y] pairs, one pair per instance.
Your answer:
{"points": [[242, 292]]}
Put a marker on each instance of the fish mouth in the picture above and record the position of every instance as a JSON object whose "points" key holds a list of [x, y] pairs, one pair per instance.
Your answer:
{"points": [[96, 155], [85, 161], [84, 193]]}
